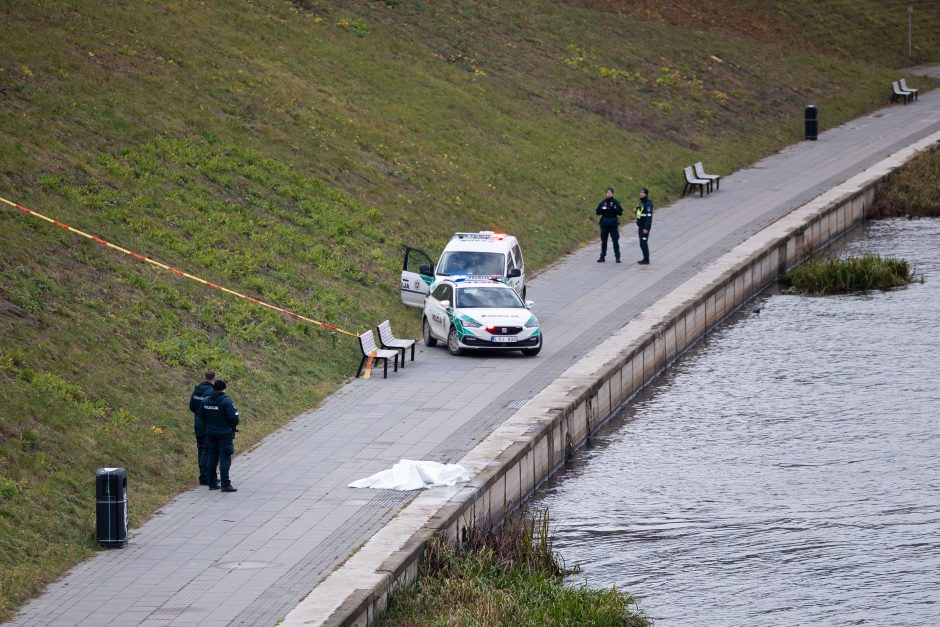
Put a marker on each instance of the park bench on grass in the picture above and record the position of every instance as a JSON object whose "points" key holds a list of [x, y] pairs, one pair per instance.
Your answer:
{"points": [[388, 340], [367, 344], [911, 90], [692, 181], [898, 93], [699, 170]]}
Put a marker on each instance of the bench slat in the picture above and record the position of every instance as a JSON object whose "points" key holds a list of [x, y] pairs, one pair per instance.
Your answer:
{"points": [[691, 181], [367, 346], [389, 340], [700, 172], [899, 92], [911, 90]]}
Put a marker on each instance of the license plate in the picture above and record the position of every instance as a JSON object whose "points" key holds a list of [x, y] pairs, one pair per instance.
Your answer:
{"points": [[504, 338]]}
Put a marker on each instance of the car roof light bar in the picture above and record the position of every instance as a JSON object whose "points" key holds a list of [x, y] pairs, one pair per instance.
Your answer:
{"points": [[482, 235]]}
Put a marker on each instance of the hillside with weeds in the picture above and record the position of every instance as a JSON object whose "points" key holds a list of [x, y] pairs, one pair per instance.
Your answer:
{"points": [[289, 150]]}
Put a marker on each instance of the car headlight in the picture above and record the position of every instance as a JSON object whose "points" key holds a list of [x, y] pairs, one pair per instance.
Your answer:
{"points": [[469, 323], [532, 323]]}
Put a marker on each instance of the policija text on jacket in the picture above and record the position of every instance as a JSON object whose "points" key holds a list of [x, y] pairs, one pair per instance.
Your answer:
{"points": [[220, 418]]}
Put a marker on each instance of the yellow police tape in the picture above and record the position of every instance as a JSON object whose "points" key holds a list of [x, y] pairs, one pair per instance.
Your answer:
{"points": [[163, 266]]}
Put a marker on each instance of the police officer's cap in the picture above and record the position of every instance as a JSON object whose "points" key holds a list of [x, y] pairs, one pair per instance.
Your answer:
{"points": [[218, 385]]}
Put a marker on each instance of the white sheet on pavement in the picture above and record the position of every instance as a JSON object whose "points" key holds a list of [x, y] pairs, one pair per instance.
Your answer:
{"points": [[413, 475]]}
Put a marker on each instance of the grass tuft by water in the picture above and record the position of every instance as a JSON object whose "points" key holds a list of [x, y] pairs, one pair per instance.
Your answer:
{"points": [[508, 575], [822, 276], [911, 192]]}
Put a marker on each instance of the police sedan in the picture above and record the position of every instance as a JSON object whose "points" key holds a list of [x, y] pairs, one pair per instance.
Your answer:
{"points": [[479, 314]]}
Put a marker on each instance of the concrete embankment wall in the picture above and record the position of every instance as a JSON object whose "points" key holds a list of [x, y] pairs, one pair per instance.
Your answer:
{"points": [[535, 441]]}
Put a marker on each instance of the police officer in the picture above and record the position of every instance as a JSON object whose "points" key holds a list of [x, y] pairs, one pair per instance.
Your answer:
{"points": [[200, 393], [221, 419], [644, 222], [608, 209]]}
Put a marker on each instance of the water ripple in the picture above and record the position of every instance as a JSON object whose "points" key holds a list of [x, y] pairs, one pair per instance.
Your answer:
{"points": [[785, 472]]}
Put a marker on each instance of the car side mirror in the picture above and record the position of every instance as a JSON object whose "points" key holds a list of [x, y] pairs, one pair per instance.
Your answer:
{"points": [[514, 273], [426, 270], [445, 304], [529, 304]]}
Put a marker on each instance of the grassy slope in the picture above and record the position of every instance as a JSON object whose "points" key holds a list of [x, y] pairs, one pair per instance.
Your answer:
{"points": [[288, 150]]}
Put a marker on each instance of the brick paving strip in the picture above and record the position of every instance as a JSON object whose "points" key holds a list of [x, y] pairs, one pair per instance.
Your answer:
{"points": [[251, 557]]}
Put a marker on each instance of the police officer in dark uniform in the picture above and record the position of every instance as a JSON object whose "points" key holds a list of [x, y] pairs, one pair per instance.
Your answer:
{"points": [[609, 209], [200, 393], [644, 223], [221, 419]]}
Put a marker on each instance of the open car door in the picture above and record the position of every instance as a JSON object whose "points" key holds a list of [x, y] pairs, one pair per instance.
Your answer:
{"points": [[417, 274]]}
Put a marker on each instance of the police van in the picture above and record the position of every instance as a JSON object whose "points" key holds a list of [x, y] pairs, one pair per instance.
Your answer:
{"points": [[485, 254]]}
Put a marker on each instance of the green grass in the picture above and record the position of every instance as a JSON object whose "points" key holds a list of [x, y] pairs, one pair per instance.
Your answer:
{"points": [[504, 576], [911, 192], [289, 150], [823, 276]]}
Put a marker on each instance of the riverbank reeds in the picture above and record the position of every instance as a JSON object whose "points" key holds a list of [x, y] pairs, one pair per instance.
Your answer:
{"points": [[822, 276], [508, 575], [911, 192]]}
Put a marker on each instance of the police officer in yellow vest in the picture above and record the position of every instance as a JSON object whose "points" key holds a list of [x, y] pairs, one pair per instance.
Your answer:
{"points": [[644, 223]]}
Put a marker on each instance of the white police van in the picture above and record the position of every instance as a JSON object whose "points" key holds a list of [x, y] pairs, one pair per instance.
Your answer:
{"points": [[484, 254]]}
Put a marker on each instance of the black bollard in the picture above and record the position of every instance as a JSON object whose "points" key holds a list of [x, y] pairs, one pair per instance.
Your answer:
{"points": [[812, 122], [111, 507]]}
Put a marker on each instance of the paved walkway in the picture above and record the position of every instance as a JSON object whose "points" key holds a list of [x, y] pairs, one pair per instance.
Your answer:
{"points": [[925, 70], [250, 557]]}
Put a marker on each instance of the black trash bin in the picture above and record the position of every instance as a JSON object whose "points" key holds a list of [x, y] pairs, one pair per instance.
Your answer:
{"points": [[812, 122], [111, 507]]}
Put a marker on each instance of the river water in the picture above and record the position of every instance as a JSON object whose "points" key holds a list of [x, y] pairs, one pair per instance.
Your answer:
{"points": [[784, 472]]}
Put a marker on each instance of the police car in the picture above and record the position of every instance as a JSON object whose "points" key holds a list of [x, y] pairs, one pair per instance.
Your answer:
{"points": [[479, 314], [483, 254]]}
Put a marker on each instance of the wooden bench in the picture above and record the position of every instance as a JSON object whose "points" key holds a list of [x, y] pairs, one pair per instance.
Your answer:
{"points": [[899, 94], [699, 170], [367, 344], [692, 181], [388, 340], [911, 90]]}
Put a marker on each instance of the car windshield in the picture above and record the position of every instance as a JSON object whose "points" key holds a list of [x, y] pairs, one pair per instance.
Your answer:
{"points": [[487, 297], [465, 263]]}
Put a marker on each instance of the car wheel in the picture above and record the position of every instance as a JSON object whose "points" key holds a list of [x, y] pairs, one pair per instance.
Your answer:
{"points": [[523, 294], [452, 345], [429, 339], [532, 352]]}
